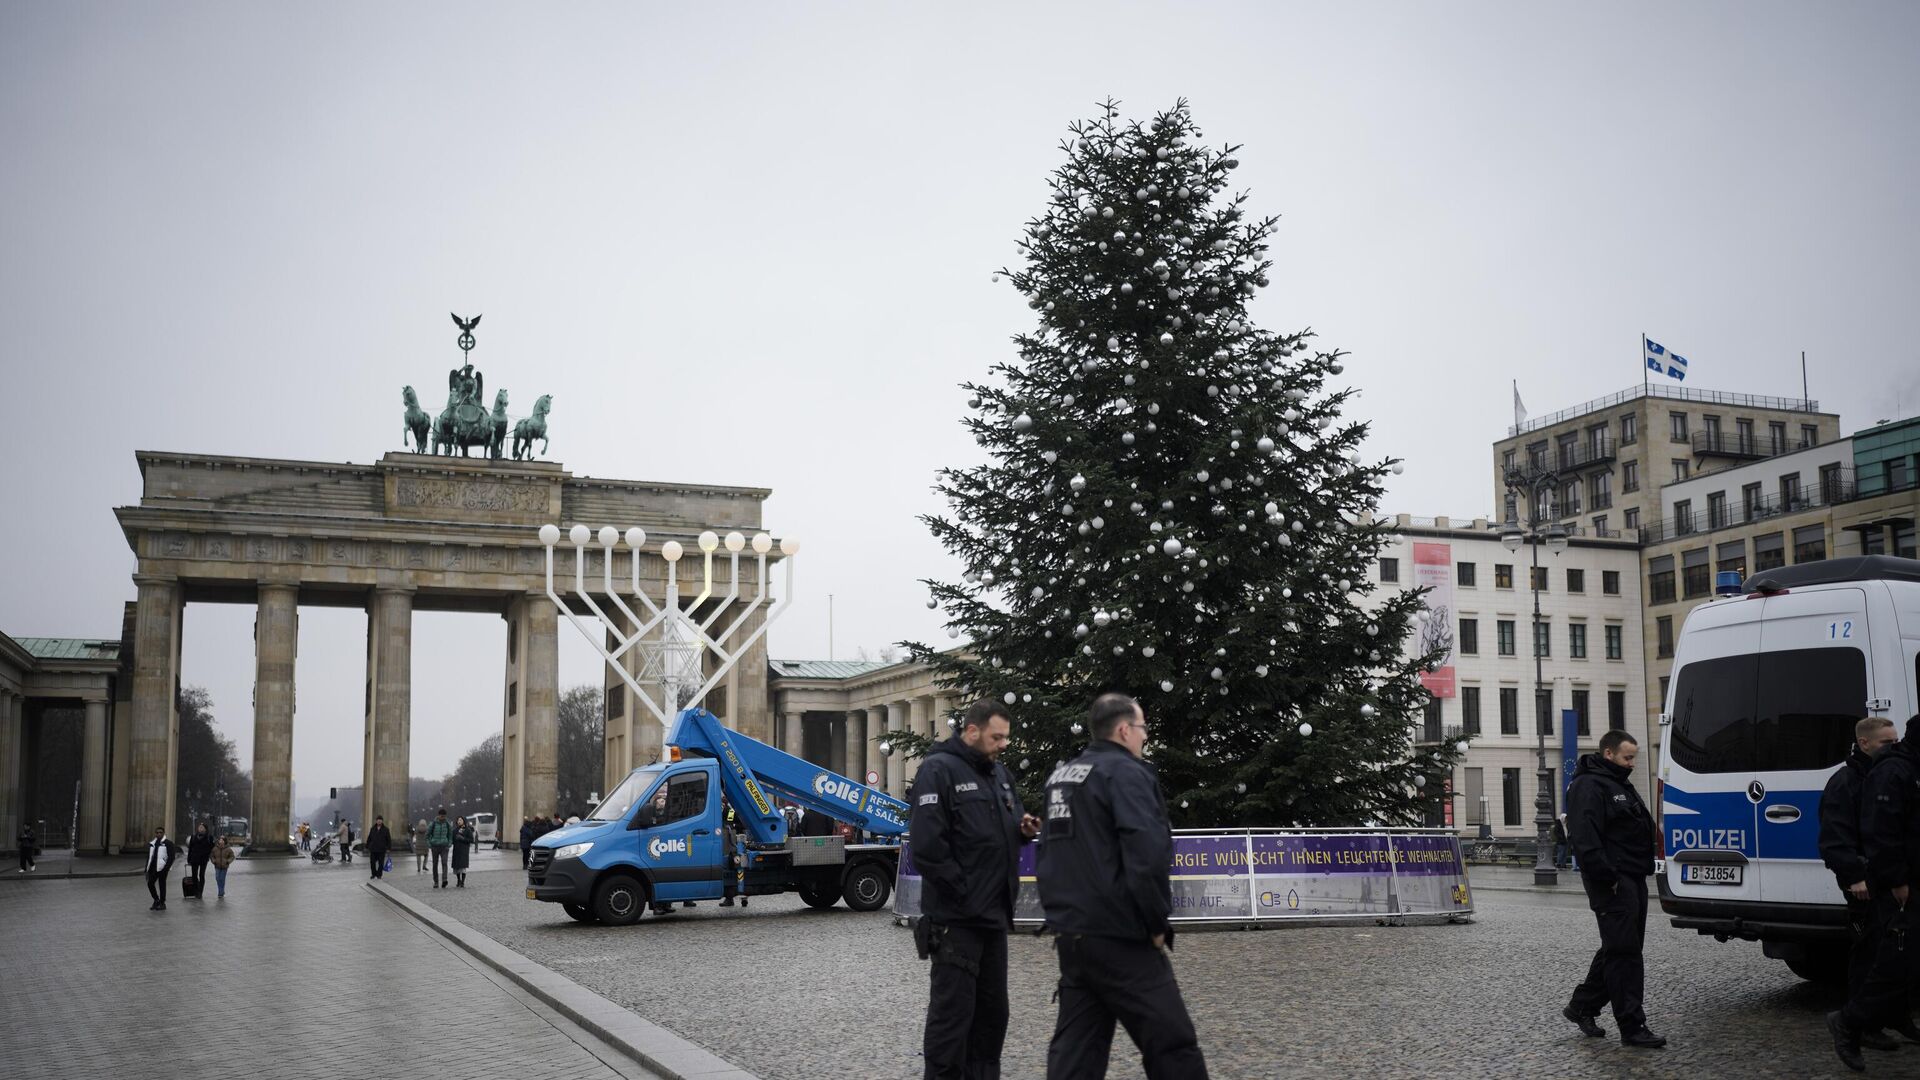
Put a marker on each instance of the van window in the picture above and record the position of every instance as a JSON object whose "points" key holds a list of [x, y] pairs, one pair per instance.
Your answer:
{"points": [[1809, 701], [1713, 714]]}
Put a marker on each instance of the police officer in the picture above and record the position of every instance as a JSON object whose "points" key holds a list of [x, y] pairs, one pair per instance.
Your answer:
{"points": [[1106, 856], [1890, 835], [1612, 835], [966, 833], [1842, 851]]}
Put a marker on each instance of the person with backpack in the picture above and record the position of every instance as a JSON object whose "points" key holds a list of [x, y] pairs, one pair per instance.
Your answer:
{"points": [[439, 842], [222, 858], [379, 842], [463, 840], [199, 852]]}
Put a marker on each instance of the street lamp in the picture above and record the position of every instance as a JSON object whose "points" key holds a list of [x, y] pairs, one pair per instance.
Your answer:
{"points": [[1538, 484]]}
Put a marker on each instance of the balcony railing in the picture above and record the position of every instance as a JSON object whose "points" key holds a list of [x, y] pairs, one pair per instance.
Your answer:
{"points": [[1671, 393], [1720, 444], [1596, 449], [1832, 490]]}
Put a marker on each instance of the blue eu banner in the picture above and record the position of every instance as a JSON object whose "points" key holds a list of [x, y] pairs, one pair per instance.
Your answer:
{"points": [[1569, 750]]}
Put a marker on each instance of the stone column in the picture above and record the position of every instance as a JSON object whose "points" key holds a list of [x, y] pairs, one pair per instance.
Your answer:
{"points": [[93, 781], [796, 734], [937, 723], [876, 729], [10, 793], [920, 722], [855, 762], [276, 638], [540, 702], [156, 683], [895, 777], [391, 725]]}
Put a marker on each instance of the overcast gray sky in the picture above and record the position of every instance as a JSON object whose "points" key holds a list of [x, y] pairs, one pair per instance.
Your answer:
{"points": [[750, 244]]}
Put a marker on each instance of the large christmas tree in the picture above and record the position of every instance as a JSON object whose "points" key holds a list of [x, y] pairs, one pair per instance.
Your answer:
{"points": [[1174, 507]]}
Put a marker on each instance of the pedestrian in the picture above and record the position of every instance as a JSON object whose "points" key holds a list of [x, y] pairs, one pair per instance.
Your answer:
{"points": [[29, 848], [199, 852], [1842, 851], [463, 841], [1890, 838], [346, 842], [161, 853], [306, 837], [439, 841], [729, 857], [1560, 845], [222, 858], [1613, 835], [1105, 869], [526, 841], [417, 840], [379, 842], [966, 832]]}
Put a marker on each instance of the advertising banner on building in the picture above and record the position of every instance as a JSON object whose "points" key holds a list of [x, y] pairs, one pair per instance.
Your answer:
{"points": [[1433, 571], [1274, 875]]}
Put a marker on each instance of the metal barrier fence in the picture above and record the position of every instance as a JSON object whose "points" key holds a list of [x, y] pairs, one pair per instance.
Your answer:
{"points": [[1280, 875]]}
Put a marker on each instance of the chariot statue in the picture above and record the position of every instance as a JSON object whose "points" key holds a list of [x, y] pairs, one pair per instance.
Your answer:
{"points": [[465, 422]]}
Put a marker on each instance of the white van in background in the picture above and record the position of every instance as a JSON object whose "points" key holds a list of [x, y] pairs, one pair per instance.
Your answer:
{"points": [[1765, 691], [486, 828]]}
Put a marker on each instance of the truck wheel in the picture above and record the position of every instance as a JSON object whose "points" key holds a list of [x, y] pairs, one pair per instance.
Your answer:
{"points": [[619, 901], [867, 888], [1824, 968], [818, 898], [578, 912]]}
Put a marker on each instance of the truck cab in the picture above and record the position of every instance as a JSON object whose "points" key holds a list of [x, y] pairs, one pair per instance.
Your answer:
{"points": [[625, 856]]}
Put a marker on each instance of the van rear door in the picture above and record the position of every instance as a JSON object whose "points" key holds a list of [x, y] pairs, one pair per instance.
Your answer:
{"points": [[1816, 676], [1706, 813]]}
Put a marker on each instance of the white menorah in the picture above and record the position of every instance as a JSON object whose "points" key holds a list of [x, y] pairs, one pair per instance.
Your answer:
{"points": [[667, 617]]}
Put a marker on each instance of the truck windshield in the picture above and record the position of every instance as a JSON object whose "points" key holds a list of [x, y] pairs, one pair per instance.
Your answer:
{"points": [[615, 805]]}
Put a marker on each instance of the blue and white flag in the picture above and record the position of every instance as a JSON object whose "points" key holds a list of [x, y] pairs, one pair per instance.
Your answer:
{"points": [[1659, 359]]}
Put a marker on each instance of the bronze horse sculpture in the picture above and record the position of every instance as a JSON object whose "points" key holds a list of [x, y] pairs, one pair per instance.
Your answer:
{"points": [[417, 421], [533, 427], [464, 425]]}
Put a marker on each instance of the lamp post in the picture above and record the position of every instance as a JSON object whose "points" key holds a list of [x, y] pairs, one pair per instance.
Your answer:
{"points": [[1538, 484]]}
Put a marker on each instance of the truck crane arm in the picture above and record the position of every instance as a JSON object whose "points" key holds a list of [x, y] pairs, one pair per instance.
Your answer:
{"points": [[749, 769]]}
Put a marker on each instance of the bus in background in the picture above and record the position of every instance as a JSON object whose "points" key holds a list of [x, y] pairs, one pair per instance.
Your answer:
{"points": [[486, 828]]}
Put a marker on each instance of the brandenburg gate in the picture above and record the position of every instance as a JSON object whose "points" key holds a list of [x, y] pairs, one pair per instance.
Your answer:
{"points": [[412, 532]]}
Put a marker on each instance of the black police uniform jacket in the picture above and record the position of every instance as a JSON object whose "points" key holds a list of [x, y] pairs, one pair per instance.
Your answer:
{"points": [[1106, 847], [1890, 813], [965, 836], [1840, 846], [1609, 827]]}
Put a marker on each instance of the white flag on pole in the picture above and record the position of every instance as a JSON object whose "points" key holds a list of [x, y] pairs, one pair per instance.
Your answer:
{"points": [[1519, 407]]}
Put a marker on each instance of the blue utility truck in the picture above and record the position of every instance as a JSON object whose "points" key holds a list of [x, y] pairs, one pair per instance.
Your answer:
{"points": [[626, 857]]}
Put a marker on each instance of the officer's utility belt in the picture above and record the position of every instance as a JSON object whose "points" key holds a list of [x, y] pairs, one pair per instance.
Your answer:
{"points": [[930, 941]]}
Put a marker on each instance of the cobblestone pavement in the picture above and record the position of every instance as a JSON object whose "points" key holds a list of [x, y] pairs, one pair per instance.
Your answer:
{"points": [[794, 994], [299, 972]]}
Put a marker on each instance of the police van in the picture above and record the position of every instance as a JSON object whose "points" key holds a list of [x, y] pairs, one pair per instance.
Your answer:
{"points": [[1767, 685]]}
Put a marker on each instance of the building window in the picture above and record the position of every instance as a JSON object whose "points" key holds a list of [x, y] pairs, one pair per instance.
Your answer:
{"points": [[1769, 551], [1539, 578], [1683, 517], [1576, 581], [1678, 422], [1610, 582], [1543, 638], [1743, 430], [1660, 580], [513, 698], [1731, 557], [1903, 539], [1899, 476], [1469, 637], [1463, 574], [1502, 575], [1629, 429], [1750, 501], [1509, 710], [1600, 525], [1470, 710], [1537, 456], [1569, 498], [1569, 449], [1790, 493], [1831, 489], [1809, 435], [1580, 713], [1473, 813], [1633, 518], [1600, 491], [1630, 476], [1390, 570], [1503, 636], [1777, 435], [1616, 710], [1577, 640], [1809, 543], [1664, 681], [1434, 727], [1664, 627], [1510, 796], [1710, 427], [1680, 469], [616, 701], [1543, 710], [1506, 460], [1614, 649], [1696, 580], [1717, 510]]}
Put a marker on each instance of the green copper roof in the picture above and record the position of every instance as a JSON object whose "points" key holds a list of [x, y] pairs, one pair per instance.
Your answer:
{"points": [[70, 648], [825, 669]]}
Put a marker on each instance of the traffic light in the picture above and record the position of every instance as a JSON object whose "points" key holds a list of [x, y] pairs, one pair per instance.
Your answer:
{"points": [[333, 793]]}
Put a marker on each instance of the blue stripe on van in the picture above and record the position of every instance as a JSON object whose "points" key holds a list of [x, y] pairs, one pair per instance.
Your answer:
{"points": [[1710, 820]]}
